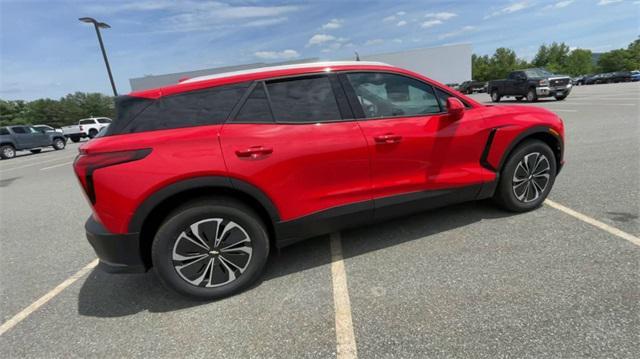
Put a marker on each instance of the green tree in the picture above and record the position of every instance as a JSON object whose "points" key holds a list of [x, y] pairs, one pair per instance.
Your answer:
{"points": [[615, 60], [579, 62], [480, 67], [552, 57]]}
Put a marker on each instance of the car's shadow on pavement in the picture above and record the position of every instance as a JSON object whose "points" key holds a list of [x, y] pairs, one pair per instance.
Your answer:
{"points": [[107, 295]]}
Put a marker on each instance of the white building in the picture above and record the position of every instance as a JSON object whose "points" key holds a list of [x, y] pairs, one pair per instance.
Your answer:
{"points": [[446, 64]]}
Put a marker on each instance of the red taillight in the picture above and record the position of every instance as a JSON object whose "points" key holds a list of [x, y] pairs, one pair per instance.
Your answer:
{"points": [[87, 163]]}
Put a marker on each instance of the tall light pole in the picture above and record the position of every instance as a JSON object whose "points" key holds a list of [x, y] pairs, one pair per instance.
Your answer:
{"points": [[98, 26]]}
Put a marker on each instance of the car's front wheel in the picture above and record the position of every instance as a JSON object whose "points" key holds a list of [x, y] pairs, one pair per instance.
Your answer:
{"points": [[531, 95], [526, 177], [211, 248]]}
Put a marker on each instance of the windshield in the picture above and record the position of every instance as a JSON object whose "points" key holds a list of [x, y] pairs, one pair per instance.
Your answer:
{"points": [[538, 73]]}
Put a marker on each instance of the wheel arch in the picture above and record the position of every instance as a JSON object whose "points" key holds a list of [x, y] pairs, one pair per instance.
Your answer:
{"points": [[156, 207], [541, 133]]}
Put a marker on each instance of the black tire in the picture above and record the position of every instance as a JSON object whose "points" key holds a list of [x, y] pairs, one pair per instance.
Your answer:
{"points": [[204, 214], [561, 97], [509, 190], [7, 152], [75, 139], [93, 133], [59, 143], [519, 98], [495, 96], [531, 95], [36, 150]]}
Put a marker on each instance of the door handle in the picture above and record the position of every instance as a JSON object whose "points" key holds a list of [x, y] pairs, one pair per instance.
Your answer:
{"points": [[388, 138], [254, 152]]}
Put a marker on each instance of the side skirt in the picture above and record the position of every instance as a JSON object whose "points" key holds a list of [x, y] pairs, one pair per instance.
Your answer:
{"points": [[381, 209]]}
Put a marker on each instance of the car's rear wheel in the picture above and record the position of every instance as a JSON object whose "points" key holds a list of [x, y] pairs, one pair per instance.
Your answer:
{"points": [[211, 248], [58, 144], [93, 133], [519, 98], [75, 139], [526, 177], [495, 96], [7, 152], [531, 95]]}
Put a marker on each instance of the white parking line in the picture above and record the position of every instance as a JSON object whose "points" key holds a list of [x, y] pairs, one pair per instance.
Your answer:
{"points": [[54, 166], [594, 222], [6, 326], [562, 110], [345, 338]]}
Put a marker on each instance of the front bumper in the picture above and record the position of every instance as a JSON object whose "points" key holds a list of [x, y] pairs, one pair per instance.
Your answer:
{"points": [[118, 253], [546, 91]]}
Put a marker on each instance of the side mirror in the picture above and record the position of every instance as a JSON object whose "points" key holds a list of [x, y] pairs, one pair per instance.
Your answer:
{"points": [[455, 108]]}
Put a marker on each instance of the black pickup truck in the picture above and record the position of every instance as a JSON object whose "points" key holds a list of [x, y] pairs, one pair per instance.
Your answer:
{"points": [[17, 138], [532, 84]]}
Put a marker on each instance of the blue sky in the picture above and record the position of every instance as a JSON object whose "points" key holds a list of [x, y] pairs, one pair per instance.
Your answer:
{"points": [[46, 52]]}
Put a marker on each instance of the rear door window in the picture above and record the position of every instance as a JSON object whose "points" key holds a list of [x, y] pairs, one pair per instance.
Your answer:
{"points": [[19, 130], [303, 100], [4, 131], [87, 122], [256, 107]]}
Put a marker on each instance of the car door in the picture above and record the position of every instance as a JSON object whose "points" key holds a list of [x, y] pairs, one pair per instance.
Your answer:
{"points": [[39, 138], [416, 149], [296, 140], [22, 137]]}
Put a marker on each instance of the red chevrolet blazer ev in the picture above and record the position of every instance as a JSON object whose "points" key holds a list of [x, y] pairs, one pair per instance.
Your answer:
{"points": [[203, 178]]}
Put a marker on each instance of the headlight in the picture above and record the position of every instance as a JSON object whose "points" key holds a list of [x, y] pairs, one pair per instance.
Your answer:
{"points": [[543, 83]]}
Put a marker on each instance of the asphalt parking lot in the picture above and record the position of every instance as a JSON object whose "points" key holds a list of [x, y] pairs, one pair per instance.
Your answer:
{"points": [[463, 281]]}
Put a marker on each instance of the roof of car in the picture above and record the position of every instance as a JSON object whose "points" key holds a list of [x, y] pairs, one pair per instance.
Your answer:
{"points": [[285, 67], [202, 82]]}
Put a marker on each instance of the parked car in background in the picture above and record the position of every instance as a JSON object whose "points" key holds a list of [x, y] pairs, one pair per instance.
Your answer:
{"points": [[635, 75], [19, 138], [87, 127], [47, 128], [532, 84], [205, 180], [620, 76], [470, 87], [597, 79], [579, 80]]}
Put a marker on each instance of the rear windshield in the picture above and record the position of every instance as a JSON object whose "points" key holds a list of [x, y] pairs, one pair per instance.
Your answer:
{"points": [[196, 108]]}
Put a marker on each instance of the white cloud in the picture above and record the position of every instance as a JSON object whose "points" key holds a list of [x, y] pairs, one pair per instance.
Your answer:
{"points": [[401, 13], [430, 23], [333, 24], [397, 41], [277, 55], [608, 2], [401, 23], [389, 18], [190, 15], [373, 42], [441, 15], [514, 7], [461, 31], [559, 4], [319, 39]]}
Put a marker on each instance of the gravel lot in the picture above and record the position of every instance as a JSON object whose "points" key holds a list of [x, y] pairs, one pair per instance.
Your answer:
{"points": [[463, 281]]}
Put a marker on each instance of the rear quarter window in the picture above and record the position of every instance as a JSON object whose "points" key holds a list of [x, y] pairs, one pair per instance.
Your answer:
{"points": [[196, 108], [307, 99]]}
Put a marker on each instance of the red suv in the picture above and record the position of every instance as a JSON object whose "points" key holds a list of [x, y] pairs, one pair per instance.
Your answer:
{"points": [[203, 178]]}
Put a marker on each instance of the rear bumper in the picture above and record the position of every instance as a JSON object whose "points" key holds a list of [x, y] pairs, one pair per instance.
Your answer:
{"points": [[118, 253]]}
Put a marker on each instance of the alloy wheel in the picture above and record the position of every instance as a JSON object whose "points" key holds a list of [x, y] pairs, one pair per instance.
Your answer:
{"points": [[9, 152], [531, 177], [213, 252], [59, 144]]}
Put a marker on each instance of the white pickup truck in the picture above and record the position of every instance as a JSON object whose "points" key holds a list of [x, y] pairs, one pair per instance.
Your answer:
{"points": [[87, 127]]}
